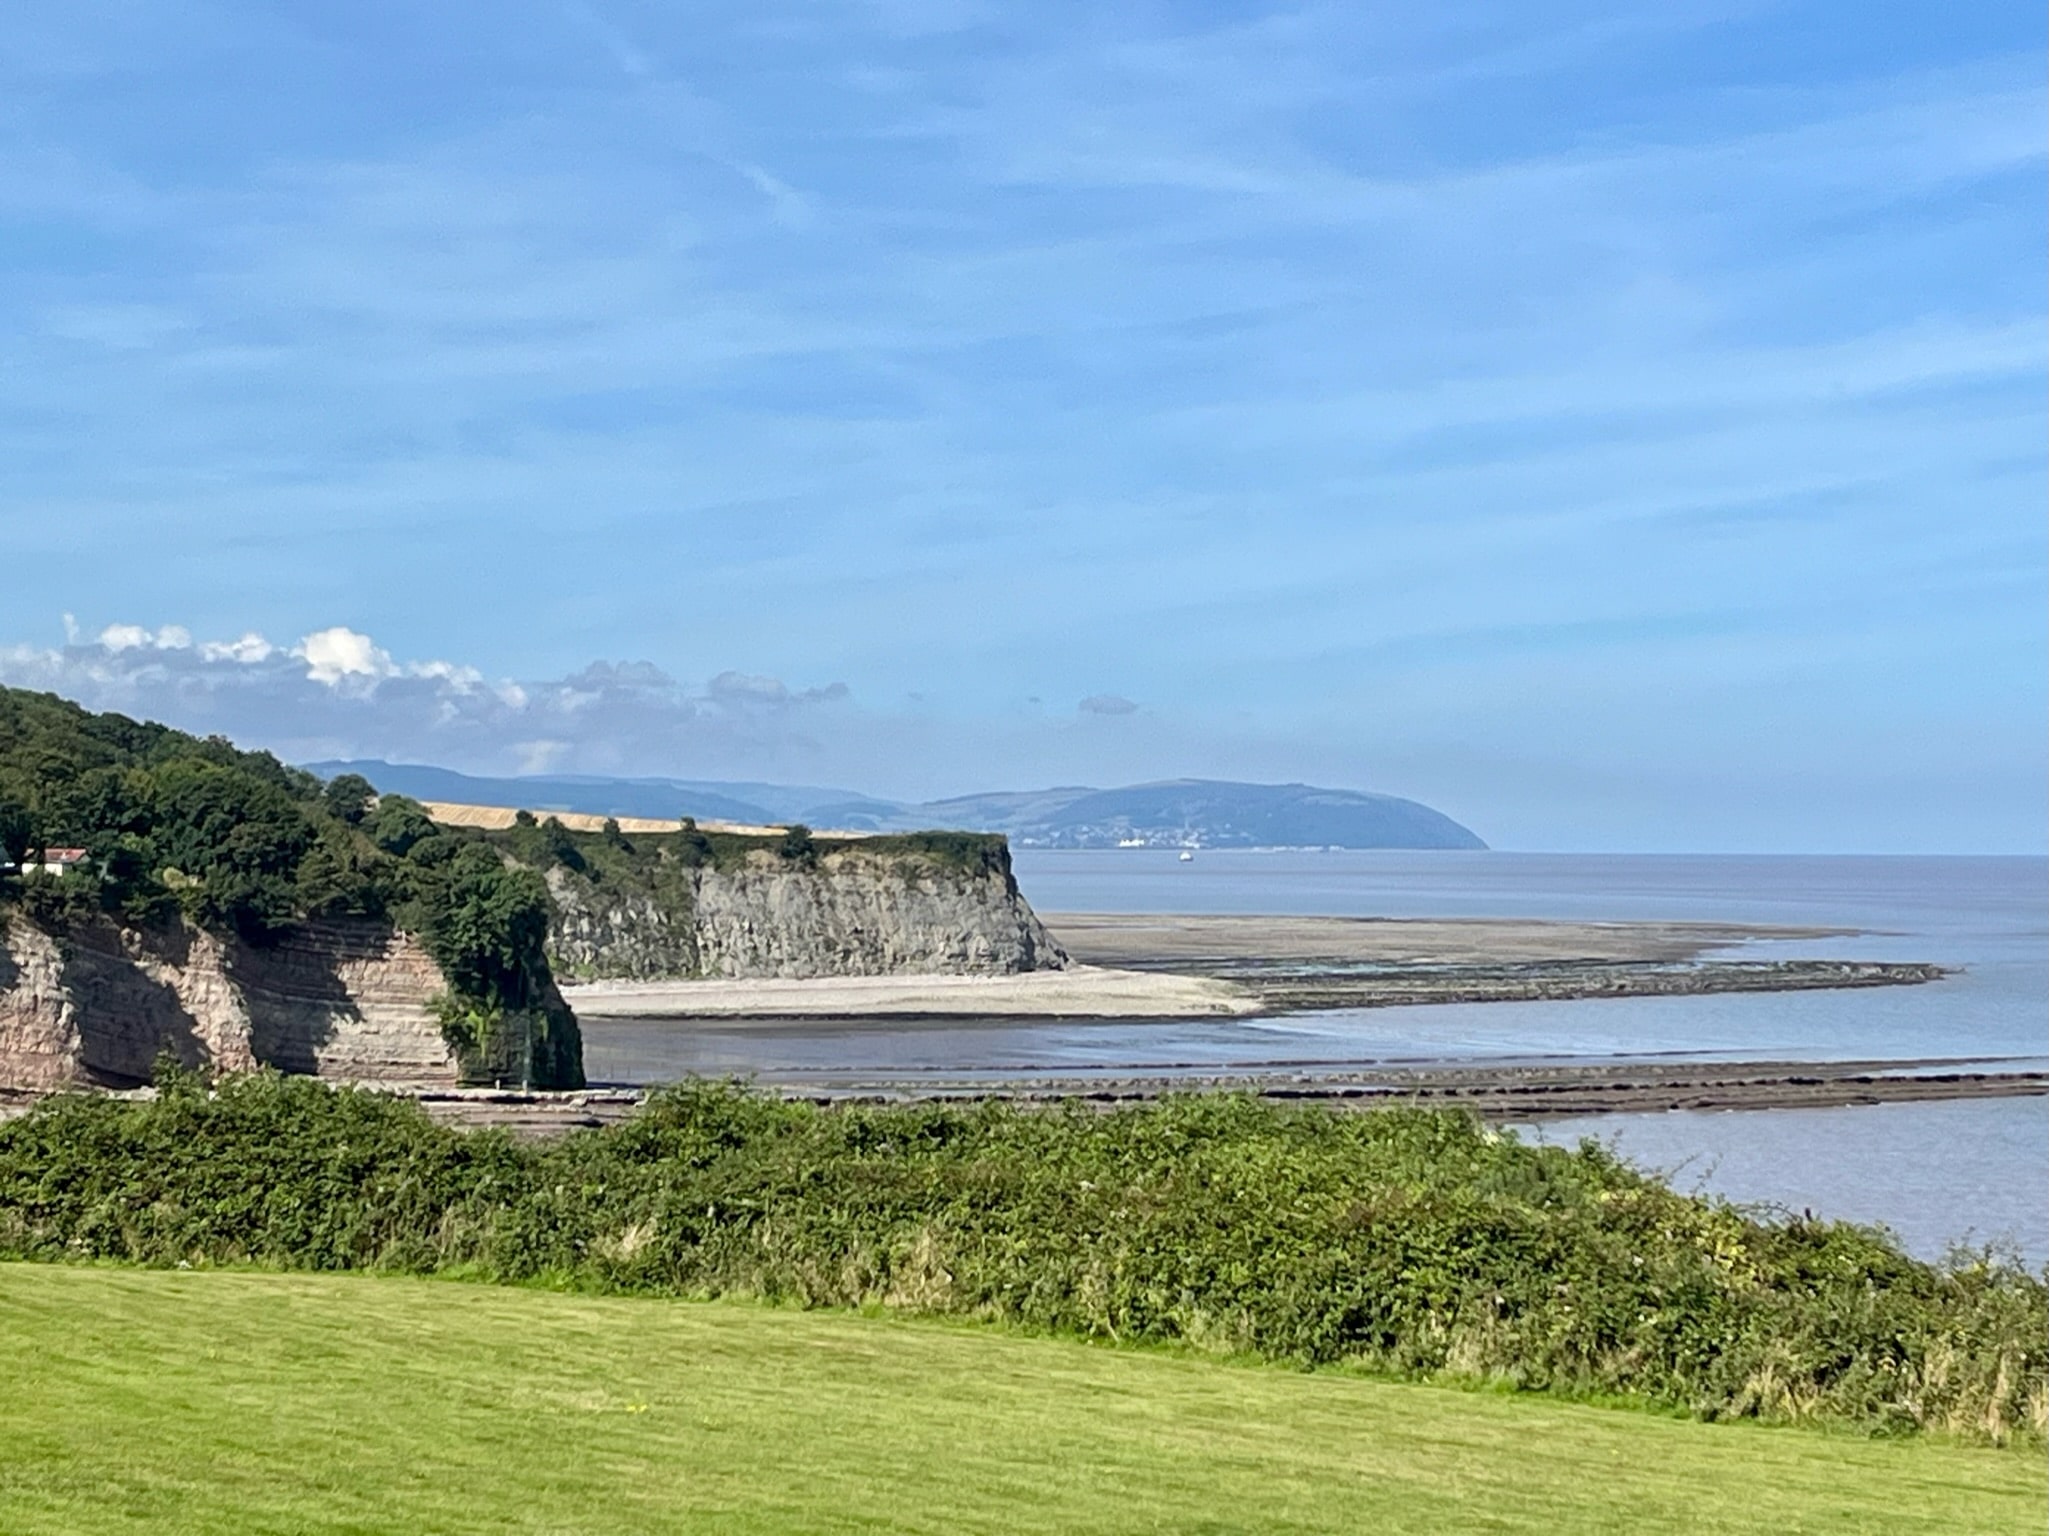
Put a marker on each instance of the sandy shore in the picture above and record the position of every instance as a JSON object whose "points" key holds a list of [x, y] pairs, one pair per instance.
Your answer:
{"points": [[1086, 991]]}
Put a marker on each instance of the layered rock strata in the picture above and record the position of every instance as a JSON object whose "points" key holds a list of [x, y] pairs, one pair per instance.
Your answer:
{"points": [[95, 1004], [851, 914]]}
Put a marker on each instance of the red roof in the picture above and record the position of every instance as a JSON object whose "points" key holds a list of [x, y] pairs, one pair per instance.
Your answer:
{"points": [[63, 855]]}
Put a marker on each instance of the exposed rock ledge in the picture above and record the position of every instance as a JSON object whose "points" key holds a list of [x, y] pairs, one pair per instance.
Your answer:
{"points": [[93, 1006]]}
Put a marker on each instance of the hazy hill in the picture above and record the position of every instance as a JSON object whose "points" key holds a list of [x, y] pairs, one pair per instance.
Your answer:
{"points": [[1209, 813], [1180, 812]]}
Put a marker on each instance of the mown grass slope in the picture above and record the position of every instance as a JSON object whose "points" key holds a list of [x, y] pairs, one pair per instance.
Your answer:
{"points": [[227, 1402]]}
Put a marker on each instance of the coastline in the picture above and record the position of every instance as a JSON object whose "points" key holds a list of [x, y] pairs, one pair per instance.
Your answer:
{"points": [[1177, 967], [1500, 1093]]}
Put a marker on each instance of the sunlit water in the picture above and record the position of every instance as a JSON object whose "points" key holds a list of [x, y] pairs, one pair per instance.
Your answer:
{"points": [[1936, 1173], [1954, 1171]]}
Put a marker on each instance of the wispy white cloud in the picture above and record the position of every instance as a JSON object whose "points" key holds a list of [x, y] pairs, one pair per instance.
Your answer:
{"points": [[632, 60]]}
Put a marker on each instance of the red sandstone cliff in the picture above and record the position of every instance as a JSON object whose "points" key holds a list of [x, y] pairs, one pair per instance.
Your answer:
{"points": [[94, 1004]]}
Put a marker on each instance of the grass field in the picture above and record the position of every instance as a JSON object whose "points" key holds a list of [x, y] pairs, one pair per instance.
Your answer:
{"points": [[240, 1402]]}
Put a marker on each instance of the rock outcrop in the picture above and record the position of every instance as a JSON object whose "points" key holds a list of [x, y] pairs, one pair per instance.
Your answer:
{"points": [[851, 913], [94, 1004]]}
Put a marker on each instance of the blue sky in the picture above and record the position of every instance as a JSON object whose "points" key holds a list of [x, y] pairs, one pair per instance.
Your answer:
{"points": [[1619, 426]]}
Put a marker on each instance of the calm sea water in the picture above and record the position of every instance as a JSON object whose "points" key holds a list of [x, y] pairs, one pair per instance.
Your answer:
{"points": [[1990, 917], [1969, 1171], [1935, 1173]]}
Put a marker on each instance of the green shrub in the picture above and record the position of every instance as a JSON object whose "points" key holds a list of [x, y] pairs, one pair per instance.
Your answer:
{"points": [[1405, 1241]]}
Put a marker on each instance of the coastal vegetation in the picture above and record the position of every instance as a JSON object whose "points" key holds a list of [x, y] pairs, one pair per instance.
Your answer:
{"points": [[641, 861], [229, 1403], [176, 828], [1407, 1243]]}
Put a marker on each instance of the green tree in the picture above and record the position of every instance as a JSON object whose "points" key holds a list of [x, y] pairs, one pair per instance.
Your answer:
{"points": [[241, 837], [343, 877], [691, 846], [489, 928], [558, 845], [398, 823], [17, 831], [88, 808], [348, 797]]}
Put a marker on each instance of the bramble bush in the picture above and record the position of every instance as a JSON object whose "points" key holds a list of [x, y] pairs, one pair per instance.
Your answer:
{"points": [[1410, 1242]]}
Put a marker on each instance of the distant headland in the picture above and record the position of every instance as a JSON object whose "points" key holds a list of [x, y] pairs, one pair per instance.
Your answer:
{"points": [[1174, 813]]}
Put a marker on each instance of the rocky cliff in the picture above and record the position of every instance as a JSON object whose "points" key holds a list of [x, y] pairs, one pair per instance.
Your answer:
{"points": [[849, 913], [93, 1004]]}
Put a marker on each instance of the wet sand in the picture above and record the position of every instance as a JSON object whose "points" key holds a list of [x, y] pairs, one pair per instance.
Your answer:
{"points": [[1184, 941], [1165, 966]]}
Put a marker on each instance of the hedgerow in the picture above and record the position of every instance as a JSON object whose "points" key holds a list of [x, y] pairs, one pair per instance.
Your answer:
{"points": [[1410, 1242]]}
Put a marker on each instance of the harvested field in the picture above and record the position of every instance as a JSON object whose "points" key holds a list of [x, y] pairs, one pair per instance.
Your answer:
{"points": [[498, 817]]}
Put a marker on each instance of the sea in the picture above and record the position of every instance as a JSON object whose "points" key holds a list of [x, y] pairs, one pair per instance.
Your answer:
{"points": [[1940, 1174]]}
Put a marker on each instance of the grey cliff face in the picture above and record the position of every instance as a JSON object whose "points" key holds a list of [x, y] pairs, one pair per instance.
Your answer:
{"points": [[849, 915]]}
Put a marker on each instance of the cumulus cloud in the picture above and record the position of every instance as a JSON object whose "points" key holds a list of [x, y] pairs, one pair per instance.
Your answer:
{"points": [[336, 693], [1107, 704], [133, 637], [248, 650], [333, 654], [750, 688]]}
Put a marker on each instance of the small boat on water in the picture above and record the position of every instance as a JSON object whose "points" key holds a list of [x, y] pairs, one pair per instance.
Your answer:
{"points": [[1187, 857]]}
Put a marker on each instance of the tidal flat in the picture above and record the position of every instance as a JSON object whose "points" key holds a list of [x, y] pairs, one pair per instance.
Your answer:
{"points": [[816, 1037], [1179, 966]]}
